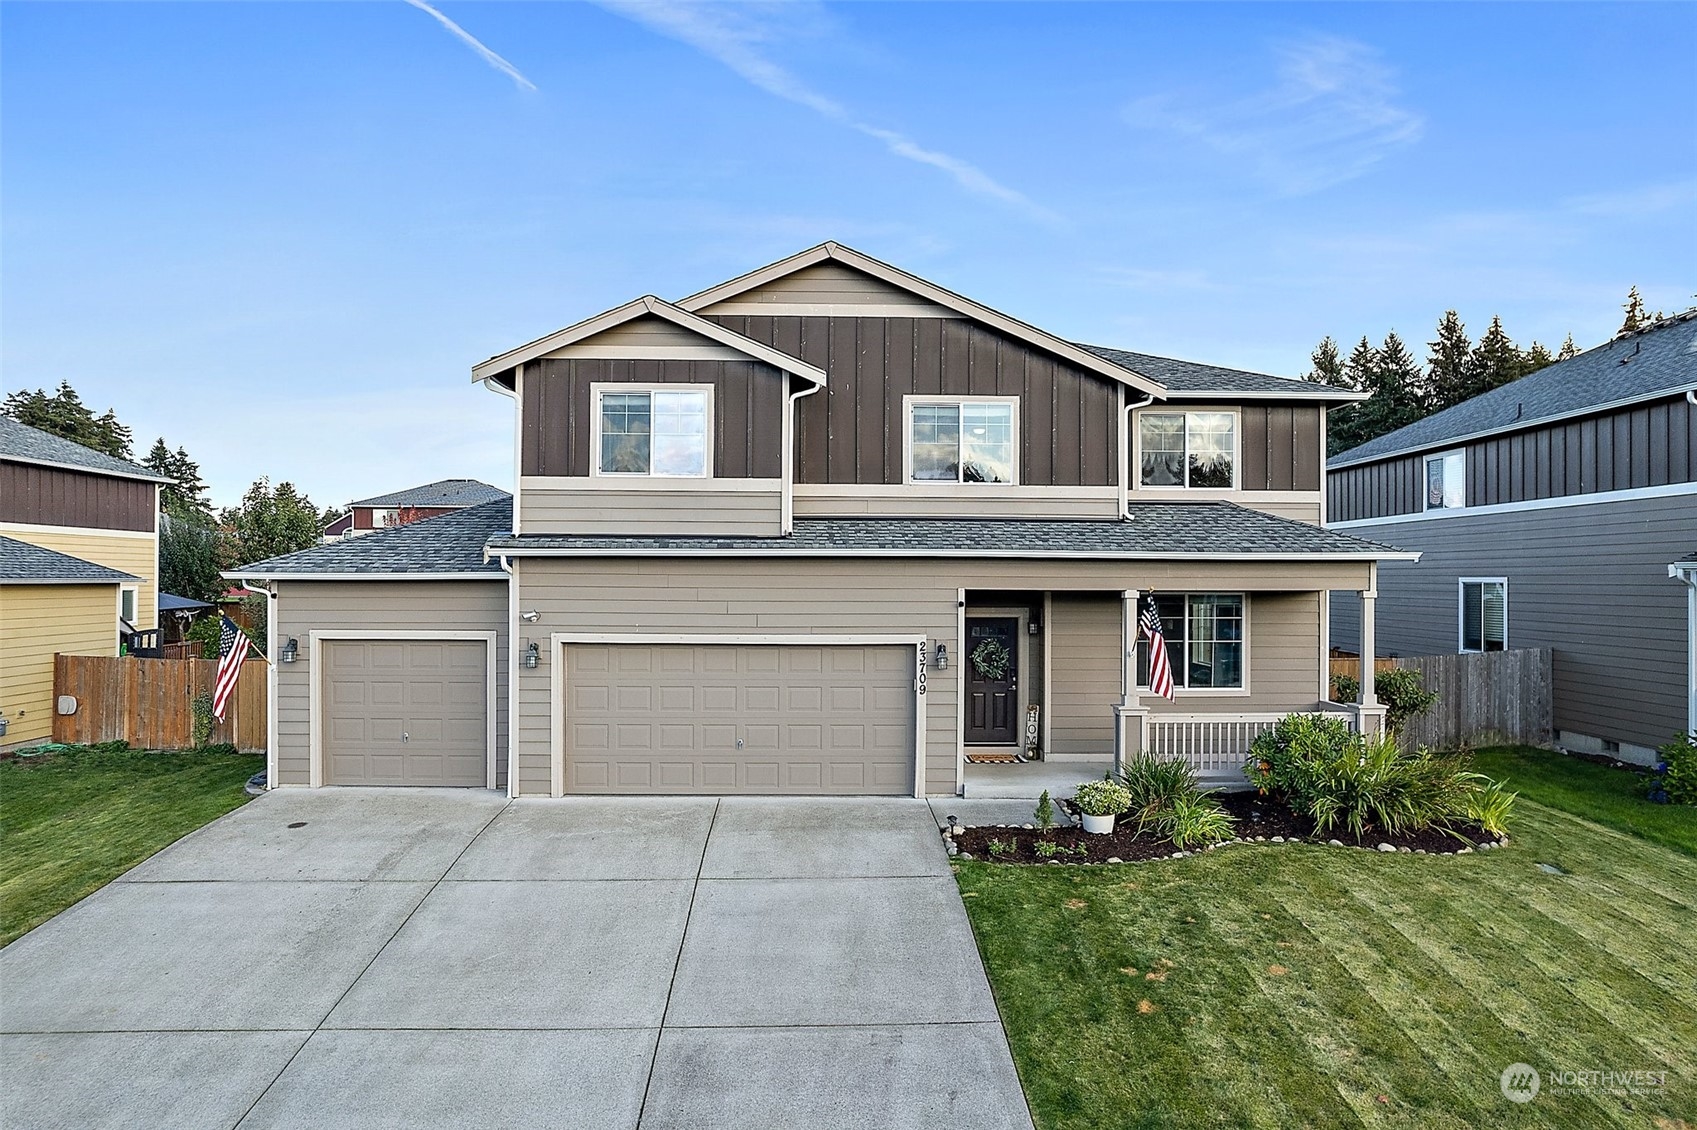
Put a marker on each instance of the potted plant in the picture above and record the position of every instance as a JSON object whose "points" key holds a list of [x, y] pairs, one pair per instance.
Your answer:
{"points": [[1099, 802]]}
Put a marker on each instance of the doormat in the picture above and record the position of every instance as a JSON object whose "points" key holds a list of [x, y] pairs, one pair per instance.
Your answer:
{"points": [[994, 759]]}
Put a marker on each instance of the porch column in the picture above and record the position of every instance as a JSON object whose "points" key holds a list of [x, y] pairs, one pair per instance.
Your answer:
{"points": [[1131, 717], [1369, 714]]}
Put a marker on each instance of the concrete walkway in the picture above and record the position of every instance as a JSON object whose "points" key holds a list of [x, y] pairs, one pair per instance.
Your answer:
{"points": [[365, 958]]}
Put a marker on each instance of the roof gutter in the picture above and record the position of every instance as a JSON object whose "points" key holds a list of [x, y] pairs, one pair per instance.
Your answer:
{"points": [[781, 552]]}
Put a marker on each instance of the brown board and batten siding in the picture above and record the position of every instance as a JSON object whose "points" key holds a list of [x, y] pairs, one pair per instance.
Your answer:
{"points": [[748, 411], [1644, 445], [777, 598], [52, 496], [1280, 445], [377, 607], [855, 430]]}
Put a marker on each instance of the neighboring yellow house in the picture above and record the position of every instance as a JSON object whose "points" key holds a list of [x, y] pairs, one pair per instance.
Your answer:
{"points": [[79, 564]]}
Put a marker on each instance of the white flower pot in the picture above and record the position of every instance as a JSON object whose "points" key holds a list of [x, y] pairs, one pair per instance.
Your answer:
{"points": [[1101, 825]]}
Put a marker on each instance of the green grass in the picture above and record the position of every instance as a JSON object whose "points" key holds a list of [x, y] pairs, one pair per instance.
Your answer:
{"points": [[71, 822], [1313, 986], [1614, 797]]}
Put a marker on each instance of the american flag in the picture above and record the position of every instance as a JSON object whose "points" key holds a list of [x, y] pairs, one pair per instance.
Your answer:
{"points": [[1160, 670], [232, 653]]}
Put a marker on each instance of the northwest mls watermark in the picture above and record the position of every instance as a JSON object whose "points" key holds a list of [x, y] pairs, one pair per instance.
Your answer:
{"points": [[1521, 1083]]}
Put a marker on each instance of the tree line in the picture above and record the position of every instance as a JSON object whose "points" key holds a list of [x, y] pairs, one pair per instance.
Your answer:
{"points": [[196, 543], [1402, 390]]}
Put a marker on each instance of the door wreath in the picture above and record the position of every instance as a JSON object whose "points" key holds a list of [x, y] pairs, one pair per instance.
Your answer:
{"points": [[992, 659]]}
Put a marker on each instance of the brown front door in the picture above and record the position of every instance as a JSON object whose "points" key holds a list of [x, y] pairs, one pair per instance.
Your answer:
{"points": [[992, 680]]}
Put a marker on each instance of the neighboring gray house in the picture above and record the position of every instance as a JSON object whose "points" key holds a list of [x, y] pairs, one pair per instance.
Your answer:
{"points": [[1547, 513], [402, 506], [826, 528]]}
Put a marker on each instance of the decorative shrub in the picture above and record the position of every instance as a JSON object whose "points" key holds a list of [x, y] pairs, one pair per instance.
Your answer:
{"points": [[1102, 798], [1402, 691], [204, 722], [1489, 807], [1045, 812], [1282, 760], [1675, 779], [1196, 819], [1167, 803], [1384, 788]]}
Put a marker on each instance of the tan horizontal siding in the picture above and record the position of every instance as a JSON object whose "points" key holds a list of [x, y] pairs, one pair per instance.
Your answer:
{"points": [[36, 622], [414, 606], [653, 512], [1084, 672], [136, 554], [831, 283]]}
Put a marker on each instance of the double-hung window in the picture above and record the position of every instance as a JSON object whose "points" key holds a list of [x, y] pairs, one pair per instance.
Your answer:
{"points": [[1206, 644], [1446, 481], [1195, 450], [969, 440], [127, 604], [1483, 620], [657, 432]]}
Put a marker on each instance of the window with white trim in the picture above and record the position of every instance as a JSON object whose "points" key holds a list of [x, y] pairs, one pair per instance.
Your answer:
{"points": [[1189, 450], [1483, 620], [1207, 647], [1446, 481], [657, 432], [127, 598], [970, 440]]}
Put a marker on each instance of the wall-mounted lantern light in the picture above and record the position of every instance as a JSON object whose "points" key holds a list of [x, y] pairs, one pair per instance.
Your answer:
{"points": [[1034, 626], [532, 655], [530, 617], [290, 652], [942, 657]]}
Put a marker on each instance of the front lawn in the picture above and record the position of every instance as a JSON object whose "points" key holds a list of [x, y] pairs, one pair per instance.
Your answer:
{"points": [[1597, 792], [71, 822], [1284, 986]]}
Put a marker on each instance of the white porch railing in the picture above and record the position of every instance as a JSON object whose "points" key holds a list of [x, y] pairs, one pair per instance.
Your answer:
{"points": [[1215, 745]]}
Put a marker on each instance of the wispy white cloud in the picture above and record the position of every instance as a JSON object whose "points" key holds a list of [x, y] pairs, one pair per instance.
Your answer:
{"points": [[1331, 117], [738, 35], [475, 44]]}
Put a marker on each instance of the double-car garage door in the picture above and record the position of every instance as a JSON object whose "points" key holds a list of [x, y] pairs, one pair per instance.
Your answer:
{"points": [[406, 712], [739, 718]]}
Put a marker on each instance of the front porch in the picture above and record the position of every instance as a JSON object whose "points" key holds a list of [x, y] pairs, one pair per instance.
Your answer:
{"points": [[1054, 685]]}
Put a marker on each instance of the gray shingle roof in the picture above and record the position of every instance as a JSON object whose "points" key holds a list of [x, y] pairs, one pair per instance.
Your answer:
{"points": [[1195, 377], [1163, 529], [21, 561], [448, 492], [1656, 361], [32, 445], [447, 543]]}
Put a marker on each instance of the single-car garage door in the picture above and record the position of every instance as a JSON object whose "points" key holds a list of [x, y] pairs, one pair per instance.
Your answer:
{"points": [[723, 718], [406, 712]]}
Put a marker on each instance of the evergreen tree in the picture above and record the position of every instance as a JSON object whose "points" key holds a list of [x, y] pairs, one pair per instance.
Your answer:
{"points": [[1568, 350], [269, 523], [1447, 368], [1495, 361], [1348, 426], [1328, 366], [189, 556], [1636, 317], [1398, 387], [113, 437], [65, 415], [1534, 359], [187, 494]]}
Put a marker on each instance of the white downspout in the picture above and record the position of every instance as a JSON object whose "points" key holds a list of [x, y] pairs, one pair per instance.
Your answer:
{"points": [[1125, 453], [513, 667], [1687, 573], [786, 504], [270, 595]]}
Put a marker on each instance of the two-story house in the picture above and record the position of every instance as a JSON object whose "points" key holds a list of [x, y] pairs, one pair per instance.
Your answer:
{"points": [[79, 564], [1550, 512], [402, 506], [827, 528]]}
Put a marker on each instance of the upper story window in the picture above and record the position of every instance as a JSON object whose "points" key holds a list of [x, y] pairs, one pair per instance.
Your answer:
{"points": [[1194, 450], [1205, 638], [661, 432], [127, 605], [1484, 614], [963, 440], [1446, 481]]}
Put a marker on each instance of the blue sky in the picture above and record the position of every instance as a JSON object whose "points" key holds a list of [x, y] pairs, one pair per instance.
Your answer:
{"points": [[281, 233]]}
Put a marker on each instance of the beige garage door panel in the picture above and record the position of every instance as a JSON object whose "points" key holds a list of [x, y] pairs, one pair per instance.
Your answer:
{"points": [[406, 712], [668, 719]]}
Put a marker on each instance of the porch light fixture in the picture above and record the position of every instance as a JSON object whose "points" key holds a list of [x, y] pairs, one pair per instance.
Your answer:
{"points": [[530, 617], [532, 655], [290, 651], [942, 657]]}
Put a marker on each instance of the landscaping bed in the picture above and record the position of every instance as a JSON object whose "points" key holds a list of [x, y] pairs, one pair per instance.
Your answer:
{"points": [[1257, 821]]}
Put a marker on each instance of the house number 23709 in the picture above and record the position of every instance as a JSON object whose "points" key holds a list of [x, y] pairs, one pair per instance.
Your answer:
{"points": [[920, 681]]}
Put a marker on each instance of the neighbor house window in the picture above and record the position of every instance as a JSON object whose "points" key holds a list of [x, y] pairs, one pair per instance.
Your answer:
{"points": [[1484, 614], [1205, 641], [962, 441], [127, 605], [1446, 481], [1187, 449], [659, 432]]}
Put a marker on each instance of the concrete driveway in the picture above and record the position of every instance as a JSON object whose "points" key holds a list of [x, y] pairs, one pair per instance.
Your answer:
{"points": [[363, 958]]}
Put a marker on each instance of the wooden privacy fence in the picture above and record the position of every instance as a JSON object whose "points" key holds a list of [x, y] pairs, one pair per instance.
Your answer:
{"points": [[1490, 696], [1352, 666], [150, 702]]}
